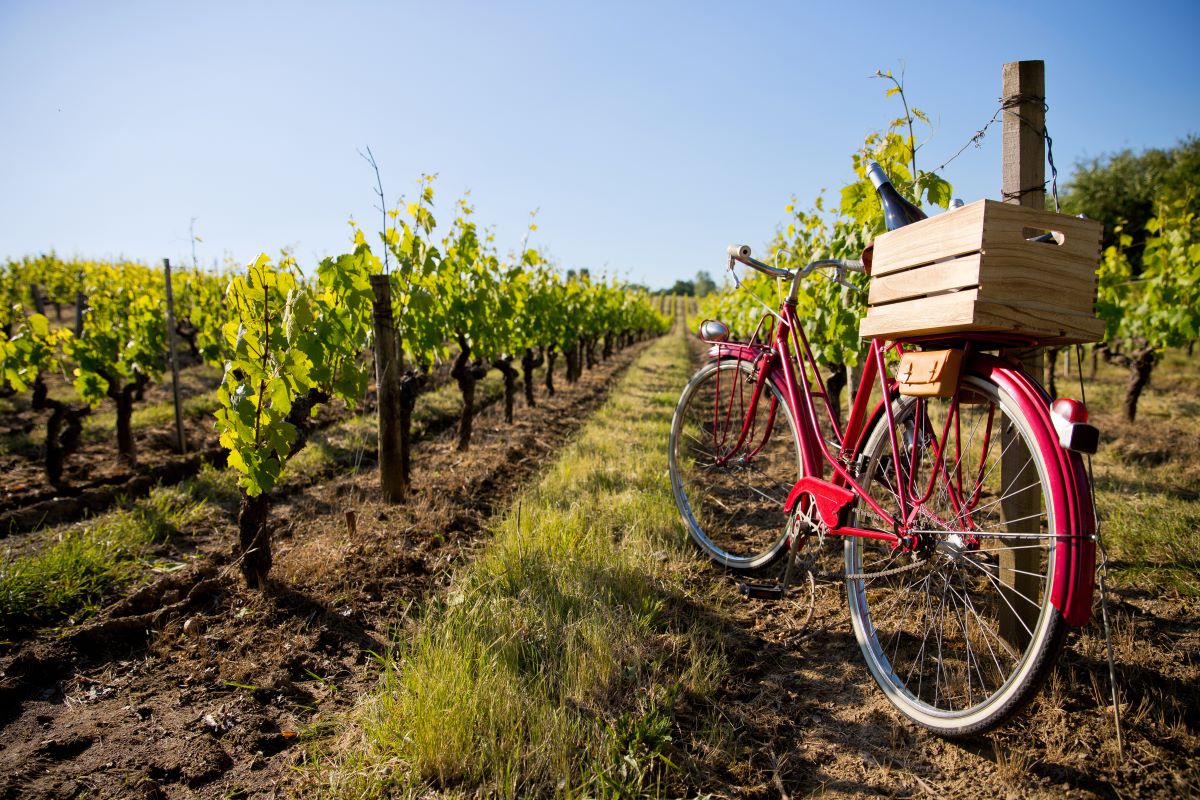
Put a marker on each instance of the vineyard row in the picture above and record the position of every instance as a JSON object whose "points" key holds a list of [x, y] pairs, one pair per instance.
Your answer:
{"points": [[289, 342]]}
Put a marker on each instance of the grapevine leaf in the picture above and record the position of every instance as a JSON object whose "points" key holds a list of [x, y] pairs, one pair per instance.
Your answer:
{"points": [[39, 325], [280, 438]]}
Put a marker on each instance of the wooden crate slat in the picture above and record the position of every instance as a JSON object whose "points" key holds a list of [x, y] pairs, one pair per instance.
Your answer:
{"points": [[937, 314], [1053, 325], [966, 311], [957, 273], [1010, 226], [1011, 282], [947, 235], [1017, 291]]}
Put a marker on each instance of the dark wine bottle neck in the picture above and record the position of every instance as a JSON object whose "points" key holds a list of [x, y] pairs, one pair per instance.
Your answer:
{"points": [[897, 212]]}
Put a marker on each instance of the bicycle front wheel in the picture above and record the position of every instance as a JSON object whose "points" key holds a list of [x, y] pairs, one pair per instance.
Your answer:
{"points": [[731, 497], [961, 633]]}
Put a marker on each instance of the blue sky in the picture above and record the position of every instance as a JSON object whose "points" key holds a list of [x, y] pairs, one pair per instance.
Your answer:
{"points": [[649, 135]]}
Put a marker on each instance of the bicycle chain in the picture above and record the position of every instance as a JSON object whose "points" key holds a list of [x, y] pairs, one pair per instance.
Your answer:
{"points": [[855, 576]]}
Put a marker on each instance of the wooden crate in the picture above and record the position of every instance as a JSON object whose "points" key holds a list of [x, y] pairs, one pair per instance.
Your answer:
{"points": [[974, 270]]}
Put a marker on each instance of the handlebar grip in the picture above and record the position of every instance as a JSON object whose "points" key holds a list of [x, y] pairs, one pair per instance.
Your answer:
{"points": [[739, 250]]}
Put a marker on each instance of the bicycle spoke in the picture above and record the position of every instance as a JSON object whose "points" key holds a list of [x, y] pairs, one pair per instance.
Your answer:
{"points": [[1007, 496], [904, 615], [1004, 596], [1014, 570], [960, 613], [996, 534], [1007, 547], [996, 579], [937, 686], [988, 629]]}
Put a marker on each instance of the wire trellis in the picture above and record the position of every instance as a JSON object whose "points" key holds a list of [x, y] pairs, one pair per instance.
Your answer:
{"points": [[1009, 105]]}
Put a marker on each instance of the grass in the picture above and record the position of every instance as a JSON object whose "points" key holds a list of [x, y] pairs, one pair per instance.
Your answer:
{"points": [[1147, 476], [564, 656], [102, 425], [82, 566], [338, 448]]}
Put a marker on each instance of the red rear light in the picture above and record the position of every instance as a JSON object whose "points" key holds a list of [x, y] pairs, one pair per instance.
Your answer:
{"points": [[1070, 410], [1070, 423]]}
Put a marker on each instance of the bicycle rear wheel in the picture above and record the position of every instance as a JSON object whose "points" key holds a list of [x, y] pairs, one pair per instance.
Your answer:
{"points": [[960, 634], [732, 502]]}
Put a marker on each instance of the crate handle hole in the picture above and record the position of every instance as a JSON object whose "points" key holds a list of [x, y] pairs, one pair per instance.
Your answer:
{"points": [[1044, 236]]}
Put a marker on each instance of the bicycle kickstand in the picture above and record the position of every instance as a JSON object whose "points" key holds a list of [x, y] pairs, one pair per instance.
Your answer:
{"points": [[775, 591]]}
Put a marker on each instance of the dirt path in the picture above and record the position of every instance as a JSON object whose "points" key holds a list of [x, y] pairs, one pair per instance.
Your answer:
{"points": [[194, 686], [813, 721]]}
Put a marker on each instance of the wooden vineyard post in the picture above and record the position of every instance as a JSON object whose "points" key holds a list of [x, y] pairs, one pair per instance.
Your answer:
{"points": [[182, 440], [39, 301], [1024, 181], [392, 477], [80, 310]]}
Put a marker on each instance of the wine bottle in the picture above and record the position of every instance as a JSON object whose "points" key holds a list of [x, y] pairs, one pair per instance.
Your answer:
{"points": [[897, 212]]}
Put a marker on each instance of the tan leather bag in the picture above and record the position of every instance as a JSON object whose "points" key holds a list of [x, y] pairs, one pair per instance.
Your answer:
{"points": [[929, 373]]}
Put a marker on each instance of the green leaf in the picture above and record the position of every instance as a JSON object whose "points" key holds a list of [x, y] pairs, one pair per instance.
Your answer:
{"points": [[937, 190], [280, 438], [39, 325]]}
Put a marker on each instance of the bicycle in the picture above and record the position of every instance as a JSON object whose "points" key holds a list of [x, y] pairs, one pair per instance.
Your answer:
{"points": [[963, 574]]}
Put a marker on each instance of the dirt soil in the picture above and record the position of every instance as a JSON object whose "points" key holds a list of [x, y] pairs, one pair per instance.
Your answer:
{"points": [[814, 722], [194, 686]]}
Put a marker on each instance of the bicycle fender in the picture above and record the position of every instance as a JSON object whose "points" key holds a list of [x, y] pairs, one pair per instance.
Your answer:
{"points": [[1075, 562], [734, 350]]}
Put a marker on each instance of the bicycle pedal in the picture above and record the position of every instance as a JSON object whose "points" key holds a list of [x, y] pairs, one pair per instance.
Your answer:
{"points": [[761, 591]]}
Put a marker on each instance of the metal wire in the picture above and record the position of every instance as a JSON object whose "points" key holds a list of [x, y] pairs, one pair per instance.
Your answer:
{"points": [[1008, 106]]}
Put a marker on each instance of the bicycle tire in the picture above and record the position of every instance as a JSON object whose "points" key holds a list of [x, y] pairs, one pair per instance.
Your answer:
{"points": [[733, 511], [977, 679]]}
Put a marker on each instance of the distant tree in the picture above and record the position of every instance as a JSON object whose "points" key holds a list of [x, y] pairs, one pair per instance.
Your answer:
{"points": [[1123, 191], [704, 284], [683, 287]]}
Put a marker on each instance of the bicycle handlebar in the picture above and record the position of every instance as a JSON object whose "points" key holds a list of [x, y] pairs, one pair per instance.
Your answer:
{"points": [[741, 254]]}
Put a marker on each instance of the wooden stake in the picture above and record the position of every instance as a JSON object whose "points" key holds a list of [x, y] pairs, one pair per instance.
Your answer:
{"points": [[80, 309], [387, 382], [1024, 178], [39, 300], [182, 441]]}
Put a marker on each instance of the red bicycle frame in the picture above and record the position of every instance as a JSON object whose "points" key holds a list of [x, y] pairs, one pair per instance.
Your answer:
{"points": [[1072, 588]]}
